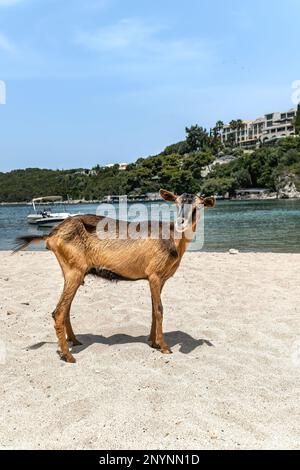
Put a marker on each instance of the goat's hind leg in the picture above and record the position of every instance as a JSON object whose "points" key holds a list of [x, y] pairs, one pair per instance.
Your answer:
{"points": [[72, 281]]}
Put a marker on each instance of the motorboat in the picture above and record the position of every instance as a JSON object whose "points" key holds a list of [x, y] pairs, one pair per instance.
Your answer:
{"points": [[43, 215]]}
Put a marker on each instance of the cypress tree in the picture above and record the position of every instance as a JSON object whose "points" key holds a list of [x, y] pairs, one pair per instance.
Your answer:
{"points": [[297, 121]]}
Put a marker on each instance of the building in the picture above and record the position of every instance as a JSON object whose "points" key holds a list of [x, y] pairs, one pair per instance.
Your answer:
{"points": [[250, 193], [122, 166], [279, 125], [264, 129]]}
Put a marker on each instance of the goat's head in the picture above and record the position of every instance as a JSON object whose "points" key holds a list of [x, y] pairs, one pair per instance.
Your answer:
{"points": [[187, 205]]}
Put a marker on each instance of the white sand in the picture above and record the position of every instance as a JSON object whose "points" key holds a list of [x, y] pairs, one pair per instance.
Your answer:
{"points": [[242, 392]]}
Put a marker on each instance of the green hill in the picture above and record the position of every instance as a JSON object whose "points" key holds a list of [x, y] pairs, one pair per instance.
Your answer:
{"points": [[178, 168]]}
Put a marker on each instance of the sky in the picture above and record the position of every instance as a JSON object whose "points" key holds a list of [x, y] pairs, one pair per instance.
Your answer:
{"points": [[102, 81]]}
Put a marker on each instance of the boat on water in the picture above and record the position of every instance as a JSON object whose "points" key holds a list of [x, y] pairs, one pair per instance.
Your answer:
{"points": [[43, 215], [137, 198]]}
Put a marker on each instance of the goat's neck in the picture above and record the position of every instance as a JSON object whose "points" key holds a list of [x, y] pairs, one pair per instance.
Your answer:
{"points": [[183, 241], [181, 245]]}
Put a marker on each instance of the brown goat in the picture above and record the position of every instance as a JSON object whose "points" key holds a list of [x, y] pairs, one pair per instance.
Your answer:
{"points": [[80, 251]]}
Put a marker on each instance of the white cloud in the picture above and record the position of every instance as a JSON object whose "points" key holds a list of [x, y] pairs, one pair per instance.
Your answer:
{"points": [[126, 33], [6, 44], [134, 38]]}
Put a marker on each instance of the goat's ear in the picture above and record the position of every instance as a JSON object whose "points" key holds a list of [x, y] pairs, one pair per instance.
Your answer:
{"points": [[167, 196], [209, 202]]}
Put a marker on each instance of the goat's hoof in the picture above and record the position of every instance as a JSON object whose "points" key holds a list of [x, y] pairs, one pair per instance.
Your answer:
{"points": [[71, 359], [162, 349], [67, 357], [153, 345], [166, 351]]}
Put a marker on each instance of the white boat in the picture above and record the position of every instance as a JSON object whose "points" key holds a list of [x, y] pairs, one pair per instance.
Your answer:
{"points": [[43, 216]]}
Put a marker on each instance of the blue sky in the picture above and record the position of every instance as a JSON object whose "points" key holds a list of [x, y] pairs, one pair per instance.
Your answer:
{"points": [[100, 81]]}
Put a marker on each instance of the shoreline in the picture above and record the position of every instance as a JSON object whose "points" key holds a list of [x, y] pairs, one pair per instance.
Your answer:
{"points": [[237, 252], [233, 323], [82, 202]]}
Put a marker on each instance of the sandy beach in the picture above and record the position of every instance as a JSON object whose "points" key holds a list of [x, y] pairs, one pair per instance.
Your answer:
{"points": [[233, 322]]}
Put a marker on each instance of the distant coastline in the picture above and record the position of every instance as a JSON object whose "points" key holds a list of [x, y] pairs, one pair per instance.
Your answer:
{"points": [[199, 164], [73, 203], [266, 197]]}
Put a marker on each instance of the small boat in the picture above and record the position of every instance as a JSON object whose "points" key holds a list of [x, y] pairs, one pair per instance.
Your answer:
{"points": [[45, 217]]}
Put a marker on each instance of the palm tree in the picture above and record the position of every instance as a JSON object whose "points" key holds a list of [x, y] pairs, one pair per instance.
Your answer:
{"points": [[233, 124], [219, 125], [216, 140], [239, 123], [296, 121], [240, 126], [236, 125], [233, 127]]}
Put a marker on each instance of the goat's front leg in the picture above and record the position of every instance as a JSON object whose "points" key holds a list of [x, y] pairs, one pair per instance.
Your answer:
{"points": [[156, 336], [69, 331], [152, 336]]}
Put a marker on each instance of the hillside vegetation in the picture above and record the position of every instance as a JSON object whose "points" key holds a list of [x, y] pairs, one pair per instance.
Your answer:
{"points": [[177, 168]]}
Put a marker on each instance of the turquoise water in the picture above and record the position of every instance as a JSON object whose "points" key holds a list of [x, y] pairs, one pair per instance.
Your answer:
{"points": [[268, 226]]}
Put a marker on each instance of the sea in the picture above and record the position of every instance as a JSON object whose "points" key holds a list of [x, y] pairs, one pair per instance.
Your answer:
{"points": [[247, 226]]}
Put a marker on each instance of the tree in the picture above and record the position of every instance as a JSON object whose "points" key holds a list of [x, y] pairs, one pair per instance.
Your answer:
{"points": [[179, 172], [239, 124], [243, 178], [180, 147], [219, 126], [183, 181], [297, 121], [231, 139], [196, 161], [236, 125], [215, 131], [197, 138], [220, 186], [215, 141]]}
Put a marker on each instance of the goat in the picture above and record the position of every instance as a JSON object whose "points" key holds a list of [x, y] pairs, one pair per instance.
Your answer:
{"points": [[80, 251]]}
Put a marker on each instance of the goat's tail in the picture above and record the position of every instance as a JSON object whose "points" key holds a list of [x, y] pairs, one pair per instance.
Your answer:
{"points": [[26, 240]]}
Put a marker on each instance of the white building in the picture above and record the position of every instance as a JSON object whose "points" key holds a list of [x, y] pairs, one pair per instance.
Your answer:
{"points": [[268, 128], [122, 166], [279, 125]]}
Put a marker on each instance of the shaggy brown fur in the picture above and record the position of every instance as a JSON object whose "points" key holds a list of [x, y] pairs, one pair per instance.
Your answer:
{"points": [[79, 252]]}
